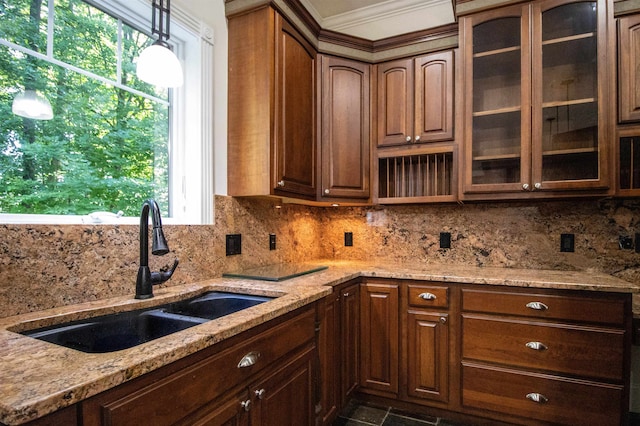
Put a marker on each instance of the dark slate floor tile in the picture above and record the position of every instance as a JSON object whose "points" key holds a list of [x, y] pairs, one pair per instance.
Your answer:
{"points": [[364, 413], [424, 417], [395, 420]]}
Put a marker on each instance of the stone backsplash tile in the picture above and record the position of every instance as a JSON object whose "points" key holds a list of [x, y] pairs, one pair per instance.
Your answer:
{"points": [[43, 266]]}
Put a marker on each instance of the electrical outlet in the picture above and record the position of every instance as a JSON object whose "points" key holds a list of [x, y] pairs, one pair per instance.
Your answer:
{"points": [[445, 240], [348, 239], [625, 242], [234, 244], [272, 241], [567, 243]]}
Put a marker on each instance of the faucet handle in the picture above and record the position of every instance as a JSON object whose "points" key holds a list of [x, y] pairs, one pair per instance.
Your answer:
{"points": [[162, 276]]}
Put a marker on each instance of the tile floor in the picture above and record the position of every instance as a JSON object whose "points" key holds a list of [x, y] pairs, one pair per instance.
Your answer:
{"points": [[362, 414]]}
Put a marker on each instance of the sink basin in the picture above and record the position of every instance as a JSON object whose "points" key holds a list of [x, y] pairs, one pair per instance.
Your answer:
{"points": [[215, 304], [124, 330]]}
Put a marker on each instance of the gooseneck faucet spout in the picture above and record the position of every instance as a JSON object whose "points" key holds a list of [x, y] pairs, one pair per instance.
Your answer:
{"points": [[159, 247]]}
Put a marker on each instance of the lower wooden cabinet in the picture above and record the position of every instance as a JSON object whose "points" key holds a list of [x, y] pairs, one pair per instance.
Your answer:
{"points": [[277, 383]]}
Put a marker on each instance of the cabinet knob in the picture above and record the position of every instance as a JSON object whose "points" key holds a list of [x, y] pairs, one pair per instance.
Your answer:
{"points": [[537, 185], [326, 191], [408, 139], [417, 138], [346, 294], [537, 397], [260, 393], [246, 405], [525, 186], [537, 306], [427, 296], [443, 320], [249, 359], [280, 183], [537, 346]]}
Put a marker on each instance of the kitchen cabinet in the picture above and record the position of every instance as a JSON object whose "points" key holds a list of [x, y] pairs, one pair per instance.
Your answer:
{"points": [[416, 155], [339, 349], [538, 78], [271, 116], [379, 336], [628, 63], [268, 372], [415, 99], [345, 129], [426, 365], [545, 356]]}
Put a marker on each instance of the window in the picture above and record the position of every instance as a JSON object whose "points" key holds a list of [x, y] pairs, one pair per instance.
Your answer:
{"points": [[114, 140]]}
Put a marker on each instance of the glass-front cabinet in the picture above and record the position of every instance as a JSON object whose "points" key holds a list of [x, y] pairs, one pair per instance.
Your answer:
{"points": [[536, 98]]}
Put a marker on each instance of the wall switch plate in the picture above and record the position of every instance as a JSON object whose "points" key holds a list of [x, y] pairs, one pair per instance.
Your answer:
{"points": [[234, 244], [625, 242], [272, 241], [348, 239], [567, 243], [445, 240]]}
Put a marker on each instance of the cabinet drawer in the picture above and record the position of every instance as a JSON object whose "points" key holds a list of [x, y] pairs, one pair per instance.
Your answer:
{"points": [[168, 399], [584, 351], [561, 400], [600, 308], [428, 296]]}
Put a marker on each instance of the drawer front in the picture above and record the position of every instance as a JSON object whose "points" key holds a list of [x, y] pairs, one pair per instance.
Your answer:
{"points": [[428, 296], [599, 308], [173, 397], [584, 351], [541, 397]]}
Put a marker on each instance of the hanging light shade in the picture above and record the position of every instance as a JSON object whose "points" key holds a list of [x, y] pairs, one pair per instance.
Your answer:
{"points": [[157, 64], [30, 104]]}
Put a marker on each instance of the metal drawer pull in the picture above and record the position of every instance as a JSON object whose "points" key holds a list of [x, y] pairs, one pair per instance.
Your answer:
{"points": [[246, 405], [427, 296], [537, 397], [538, 306], [249, 359], [260, 393], [537, 346]]}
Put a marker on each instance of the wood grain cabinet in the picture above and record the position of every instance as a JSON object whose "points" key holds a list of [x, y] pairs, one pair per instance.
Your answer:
{"points": [[339, 349], [379, 337], [263, 376], [544, 356], [271, 114], [425, 366], [628, 68], [344, 129], [537, 106], [416, 159]]}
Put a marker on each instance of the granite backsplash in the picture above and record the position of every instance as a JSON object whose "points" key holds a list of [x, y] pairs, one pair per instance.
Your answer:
{"points": [[43, 266]]}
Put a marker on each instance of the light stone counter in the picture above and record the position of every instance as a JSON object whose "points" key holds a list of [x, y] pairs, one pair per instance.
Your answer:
{"points": [[37, 378]]}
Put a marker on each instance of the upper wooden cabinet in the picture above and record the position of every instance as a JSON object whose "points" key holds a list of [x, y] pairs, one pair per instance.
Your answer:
{"points": [[628, 63], [345, 129], [415, 100], [537, 99], [271, 116]]}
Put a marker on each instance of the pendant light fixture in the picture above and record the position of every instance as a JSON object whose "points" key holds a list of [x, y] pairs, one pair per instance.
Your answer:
{"points": [[157, 64], [31, 104]]}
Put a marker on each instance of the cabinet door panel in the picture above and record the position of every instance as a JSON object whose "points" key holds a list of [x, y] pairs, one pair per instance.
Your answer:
{"points": [[350, 338], [345, 129], [427, 357], [628, 66], [434, 97], [395, 102], [328, 350], [295, 149], [379, 328]]}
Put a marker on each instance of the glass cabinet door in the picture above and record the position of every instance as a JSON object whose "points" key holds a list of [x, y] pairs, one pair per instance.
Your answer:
{"points": [[566, 148], [498, 155]]}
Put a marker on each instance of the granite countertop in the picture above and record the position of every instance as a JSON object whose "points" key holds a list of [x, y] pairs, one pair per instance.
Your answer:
{"points": [[37, 378]]}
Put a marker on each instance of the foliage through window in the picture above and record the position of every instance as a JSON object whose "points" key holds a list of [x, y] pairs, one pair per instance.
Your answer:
{"points": [[107, 146]]}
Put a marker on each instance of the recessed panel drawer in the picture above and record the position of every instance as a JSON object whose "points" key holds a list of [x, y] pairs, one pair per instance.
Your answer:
{"points": [[541, 397], [428, 296], [594, 352], [600, 308]]}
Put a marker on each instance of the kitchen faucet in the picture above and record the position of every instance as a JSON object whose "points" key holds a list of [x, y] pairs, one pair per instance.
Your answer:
{"points": [[146, 279]]}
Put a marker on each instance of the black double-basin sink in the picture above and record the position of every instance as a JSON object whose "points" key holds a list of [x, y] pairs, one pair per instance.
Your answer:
{"points": [[114, 332]]}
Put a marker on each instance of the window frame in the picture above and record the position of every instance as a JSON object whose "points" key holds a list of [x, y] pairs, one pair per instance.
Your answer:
{"points": [[191, 117]]}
